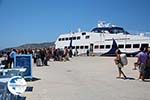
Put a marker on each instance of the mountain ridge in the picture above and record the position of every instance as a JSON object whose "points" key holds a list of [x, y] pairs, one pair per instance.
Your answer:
{"points": [[31, 46]]}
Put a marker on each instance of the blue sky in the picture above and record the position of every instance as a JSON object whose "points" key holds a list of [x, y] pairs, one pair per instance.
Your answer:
{"points": [[36, 21]]}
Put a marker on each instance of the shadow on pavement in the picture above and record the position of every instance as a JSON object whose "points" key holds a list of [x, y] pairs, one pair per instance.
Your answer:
{"points": [[32, 79], [130, 78], [146, 80]]}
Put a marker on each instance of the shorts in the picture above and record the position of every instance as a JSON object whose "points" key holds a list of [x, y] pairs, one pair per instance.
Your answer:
{"points": [[142, 68], [120, 65]]}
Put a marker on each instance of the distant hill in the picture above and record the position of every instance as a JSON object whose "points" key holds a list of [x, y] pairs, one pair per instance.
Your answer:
{"points": [[31, 46], [37, 45]]}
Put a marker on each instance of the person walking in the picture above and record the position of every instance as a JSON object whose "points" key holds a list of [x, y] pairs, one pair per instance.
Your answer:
{"points": [[119, 64], [12, 56], [142, 59]]}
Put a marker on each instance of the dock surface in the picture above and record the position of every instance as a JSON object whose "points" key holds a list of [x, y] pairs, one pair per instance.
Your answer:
{"points": [[86, 78]]}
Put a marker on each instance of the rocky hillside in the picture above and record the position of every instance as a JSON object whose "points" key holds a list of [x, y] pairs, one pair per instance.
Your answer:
{"points": [[37, 45], [32, 45]]}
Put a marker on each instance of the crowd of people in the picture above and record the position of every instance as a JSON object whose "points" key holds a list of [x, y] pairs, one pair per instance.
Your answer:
{"points": [[40, 56]]}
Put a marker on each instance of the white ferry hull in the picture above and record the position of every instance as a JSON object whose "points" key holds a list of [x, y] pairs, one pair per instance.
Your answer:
{"points": [[102, 43]]}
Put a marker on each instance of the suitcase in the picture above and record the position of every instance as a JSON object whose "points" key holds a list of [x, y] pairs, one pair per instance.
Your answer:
{"points": [[39, 62]]}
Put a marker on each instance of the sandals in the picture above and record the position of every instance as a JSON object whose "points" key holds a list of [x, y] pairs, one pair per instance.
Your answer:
{"points": [[121, 77], [118, 77]]}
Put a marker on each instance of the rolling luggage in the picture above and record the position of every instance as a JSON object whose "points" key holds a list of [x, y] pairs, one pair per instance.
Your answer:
{"points": [[39, 62]]}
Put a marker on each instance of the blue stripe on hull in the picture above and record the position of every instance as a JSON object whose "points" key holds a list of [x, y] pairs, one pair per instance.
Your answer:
{"points": [[111, 52]]}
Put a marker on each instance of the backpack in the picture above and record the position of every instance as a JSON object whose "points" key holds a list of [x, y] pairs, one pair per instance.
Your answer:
{"points": [[124, 59]]}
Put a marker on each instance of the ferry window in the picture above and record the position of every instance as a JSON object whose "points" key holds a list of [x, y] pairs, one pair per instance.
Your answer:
{"points": [[87, 37], [77, 47], [78, 37], [59, 39], [66, 39], [74, 38], [96, 46], [128, 46], [86, 47], [73, 47], [136, 45], [120, 46], [144, 45], [101, 46], [65, 47], [107, 46], [63, 39], [70, 38], [81, 47], [83, 33]]}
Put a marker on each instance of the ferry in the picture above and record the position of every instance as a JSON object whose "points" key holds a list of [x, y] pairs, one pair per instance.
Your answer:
{"points": [[103, 40]]}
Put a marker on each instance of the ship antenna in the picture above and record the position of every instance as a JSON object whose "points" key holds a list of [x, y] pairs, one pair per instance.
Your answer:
{"points": [[79, 29]]}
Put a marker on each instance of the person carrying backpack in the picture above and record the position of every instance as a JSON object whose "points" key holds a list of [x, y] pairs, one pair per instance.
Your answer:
{"points": [[119, 64]]}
